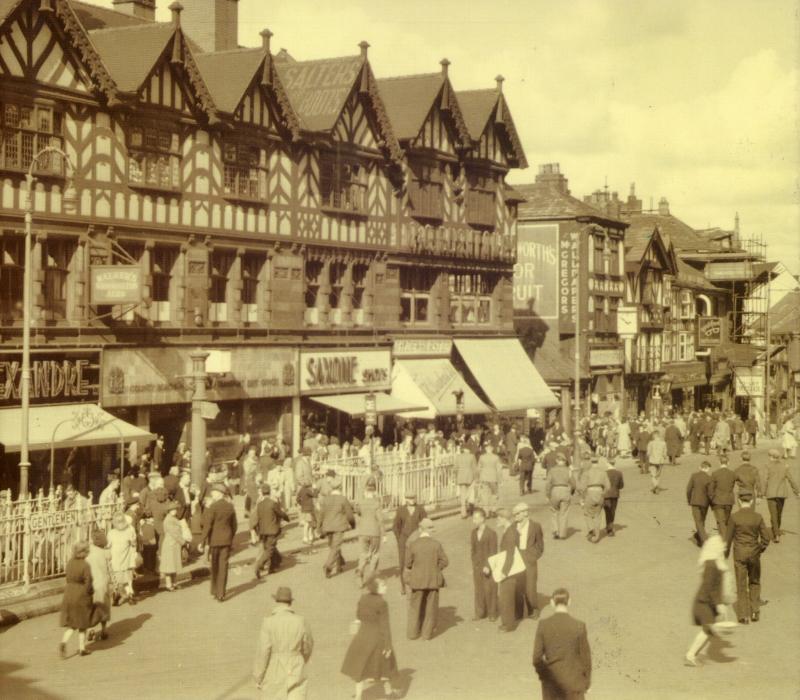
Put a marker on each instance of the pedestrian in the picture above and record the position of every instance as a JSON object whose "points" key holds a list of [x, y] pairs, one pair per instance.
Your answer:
{"points": [[749, 535], [122, 541], [308, 512], [369, 529], [707, 426], [76, 605], [336, 518], [510, 604], [559, 487], [525, 457], [592, 486], [370, 655], [561, 653], [425, 561], [219, 529], [674, 441], [483, 544], [779, 480], [788, 438], [643, 437], [721, 492], [747, 477], [99, 560], [406, 522], [109, 495], [289, 482], [466, 467], [285, 644], [169, 561], [709, 600], [528, 539], [611, 497], [624, 446], [698, 496], [751, 429], [268, 516], [171, 481], [490, 469], [722, 436], [656, 454]]}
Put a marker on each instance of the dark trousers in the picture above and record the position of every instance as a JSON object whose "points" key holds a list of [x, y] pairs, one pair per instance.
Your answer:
{"points": [[525, 481], [401, 560], [509, 602], [270, 556], [707, 443], [753, 439], [335, 559], [485, 594], [723, 515], [610, 509], [699, 514], [748, 586], [423, 608], [219, 570], [552, 691], [528, 583], [775, 506]]}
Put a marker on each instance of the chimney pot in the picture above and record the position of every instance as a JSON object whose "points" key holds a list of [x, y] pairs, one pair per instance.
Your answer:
{"points": [[266, 35], [663, 207], [364, 45], [499, 80], [445, 64], [176, 8]]}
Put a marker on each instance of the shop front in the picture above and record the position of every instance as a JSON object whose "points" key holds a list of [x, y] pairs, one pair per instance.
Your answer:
{"points": [[608, 386], [685, 382]]}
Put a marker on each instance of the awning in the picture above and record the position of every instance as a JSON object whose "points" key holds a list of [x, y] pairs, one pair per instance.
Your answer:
{"points": [[684, 375], [434, 383], [506, 373], [68, 425], [353, 404]]}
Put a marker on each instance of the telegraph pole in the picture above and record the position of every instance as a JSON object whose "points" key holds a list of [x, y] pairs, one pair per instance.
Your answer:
{"points": [[198, 422]]}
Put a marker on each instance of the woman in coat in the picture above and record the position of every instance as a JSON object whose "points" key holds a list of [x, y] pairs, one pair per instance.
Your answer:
{"points": [[674, 440], [76, 606], [708, 602], [370, 654], [99, 560], [169, 563]]}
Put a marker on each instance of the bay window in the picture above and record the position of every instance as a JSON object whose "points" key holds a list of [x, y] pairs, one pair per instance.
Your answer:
{"points": [[244, 171], [425, 191], [26, 130], [343, 185], [480, 200], [470, 298], [154, 157]]}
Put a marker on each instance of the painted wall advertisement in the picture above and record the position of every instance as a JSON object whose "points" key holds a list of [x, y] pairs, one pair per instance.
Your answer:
{"points": [[536, 271], [337, 371], [569, 278], [749, 381]]}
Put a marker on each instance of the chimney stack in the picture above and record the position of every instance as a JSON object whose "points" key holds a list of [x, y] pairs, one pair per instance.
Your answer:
{"points": [[364, 46], [550, 175], [663, 207], [633, 205], [146, 9], [212, 24], [445, 64], [266, 35]]}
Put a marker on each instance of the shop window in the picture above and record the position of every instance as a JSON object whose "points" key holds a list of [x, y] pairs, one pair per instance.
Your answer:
{"points": [[252, 267], [415, 294], [343, 185], [221, 263], [425, 191], [26, 130], [57, 258], [687, 304], [162, 262], [480, 200], [154, 157], [685, 346], [244, 171], [470, 298], [12, 274]]}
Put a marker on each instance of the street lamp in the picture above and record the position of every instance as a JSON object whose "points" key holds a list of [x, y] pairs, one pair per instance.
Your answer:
{"points": [[68, 202]]}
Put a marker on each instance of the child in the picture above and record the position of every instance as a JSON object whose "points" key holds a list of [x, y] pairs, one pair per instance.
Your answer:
{"points": [[305, 499]]}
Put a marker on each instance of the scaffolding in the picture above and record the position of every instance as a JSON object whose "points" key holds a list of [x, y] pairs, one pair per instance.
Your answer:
{"points": [[751, 299]]}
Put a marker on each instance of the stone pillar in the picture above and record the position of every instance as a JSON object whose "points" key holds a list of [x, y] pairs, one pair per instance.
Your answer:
{"points": [[233, 297], [296, 443]]}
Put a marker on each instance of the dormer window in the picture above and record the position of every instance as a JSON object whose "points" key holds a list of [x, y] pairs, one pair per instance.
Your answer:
{"points": [[343, 185], [245, 171], [154, 158]]}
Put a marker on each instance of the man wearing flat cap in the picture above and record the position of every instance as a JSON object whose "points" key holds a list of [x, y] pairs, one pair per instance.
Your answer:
{"points": [[425, 561], [269, 514], [219, 529], [336, 518], [284, 648], [525, 535], [778, 482], [406, 522], [369, 528]]}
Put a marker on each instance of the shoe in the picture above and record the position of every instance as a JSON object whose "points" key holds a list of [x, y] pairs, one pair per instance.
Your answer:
{"points": [[327, 571], [84, 652], [610, 533], [502, 628], [744, 621], [755, 617], [555, 536], [763, 602], [62, 650], [690, 660], [776, 540]]}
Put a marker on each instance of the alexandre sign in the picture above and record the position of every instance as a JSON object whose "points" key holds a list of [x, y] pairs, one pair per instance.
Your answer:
{"points": [[56, 377], [344, 370]]}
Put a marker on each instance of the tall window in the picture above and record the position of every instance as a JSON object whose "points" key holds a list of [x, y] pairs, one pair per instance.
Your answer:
{"points": [[221, 263], [162, 262], [480, 200], [12, 272], [245, 171], [613, 249], [685, 346], [314, 269], [252, 266], [154, 157], [57, 258], [343, 185], [415, 294], [470, 298], [425, 191], [599, 315], [597, 252], [687, 304], [337, 272], [26, 130]]}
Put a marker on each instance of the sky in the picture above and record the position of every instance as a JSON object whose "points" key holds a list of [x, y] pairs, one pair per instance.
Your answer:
{"points": [[697, 101]]}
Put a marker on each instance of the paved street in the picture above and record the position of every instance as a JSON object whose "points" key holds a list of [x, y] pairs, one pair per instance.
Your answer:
{"points": [[634, 592]]}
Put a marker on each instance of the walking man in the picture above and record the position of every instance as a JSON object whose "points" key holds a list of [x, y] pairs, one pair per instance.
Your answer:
{"points": [[559, 487], [219, 529], [561, 654], [748, 478], [483, 544], [528, 538], [336, 518], [616, 484], [425, 561], [284, 648], [269, 514], [779, 479], [490, 468], [592, 485], [656, 458], [698, 496], [369, 529], [509, 594], [721, 492], [749, 535], [406, 521], [466, 470], [525, 458]]}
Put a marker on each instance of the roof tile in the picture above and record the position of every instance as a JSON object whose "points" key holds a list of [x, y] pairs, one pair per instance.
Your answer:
{"points": [[408, 101], [228, 74], [129, 53]]}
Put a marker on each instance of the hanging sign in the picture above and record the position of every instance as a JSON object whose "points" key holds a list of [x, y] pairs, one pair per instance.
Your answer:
{"points": [[115, 284]]}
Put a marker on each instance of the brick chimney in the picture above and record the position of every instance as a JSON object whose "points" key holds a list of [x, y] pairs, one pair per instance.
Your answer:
{"points": [[146, 9], [663, 207], [212, 24], [633, 205], [550, 174]]}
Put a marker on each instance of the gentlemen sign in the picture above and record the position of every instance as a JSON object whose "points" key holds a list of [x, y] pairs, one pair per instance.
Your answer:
{"points": [[323, 372], [56, 377], [536, 271]]}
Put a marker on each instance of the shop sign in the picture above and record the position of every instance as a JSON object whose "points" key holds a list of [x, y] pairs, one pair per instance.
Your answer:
{"points": [[536, 271], [749, 381], [56, 377], [709, 331], [370, 409], [326, 372], [605, 357], [607, 286], [155, 376], [115, 284], [569, 277], [422, 347]]}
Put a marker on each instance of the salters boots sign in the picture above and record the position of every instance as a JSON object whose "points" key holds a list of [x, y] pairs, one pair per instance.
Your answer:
{"points": [[56, 377]]}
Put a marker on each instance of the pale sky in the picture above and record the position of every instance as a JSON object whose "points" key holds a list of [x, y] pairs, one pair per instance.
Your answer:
{"points": [[694, 100]]}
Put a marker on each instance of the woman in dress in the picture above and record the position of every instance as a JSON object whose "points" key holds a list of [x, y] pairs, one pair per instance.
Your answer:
{"points": [[788, 438], [122, 540], [169, 563], [99, 561], [76, 606], [370, 654], [708, 602]]}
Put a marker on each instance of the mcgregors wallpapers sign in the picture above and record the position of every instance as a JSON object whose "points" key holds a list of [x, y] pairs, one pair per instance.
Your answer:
{"points": [[343, 371]]}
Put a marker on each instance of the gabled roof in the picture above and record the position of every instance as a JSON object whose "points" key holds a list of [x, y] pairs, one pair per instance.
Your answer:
{"points": [[478, 106], [784, 317], [672, 229], [637, 244], [689, 276], [408, 101], [545, 201], [95, 17]]}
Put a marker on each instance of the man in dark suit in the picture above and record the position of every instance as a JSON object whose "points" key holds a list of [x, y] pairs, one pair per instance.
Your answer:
{"points": [[698, 497], [779, 480], [748, 477], [721, 492], [561, 654], [611, 497], [749, 535], [336, 518], [171, 481], [219, 529], [707, 426], [483, 544], [406, 521], [425, 560], [528, 538], [269, 514]]}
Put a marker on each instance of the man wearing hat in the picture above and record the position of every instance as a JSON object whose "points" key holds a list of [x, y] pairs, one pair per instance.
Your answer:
{"points": [[302, 467], [425, 561], [269, 514], [779, 480], [336, 518], [406, 522], [698, 496], [747, 477], [466, 467], [219, 529], [559, 487], [592, 485], [369, 529], [525, 535], [721, 491], [490, 470], [285, 644]]}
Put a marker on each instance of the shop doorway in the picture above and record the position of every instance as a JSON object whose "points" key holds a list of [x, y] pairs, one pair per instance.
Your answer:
{"points": [[170, 421]]}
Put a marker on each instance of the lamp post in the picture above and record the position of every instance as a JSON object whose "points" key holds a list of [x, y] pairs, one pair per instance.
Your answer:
{"points": [[198, 420], [68, 201]]}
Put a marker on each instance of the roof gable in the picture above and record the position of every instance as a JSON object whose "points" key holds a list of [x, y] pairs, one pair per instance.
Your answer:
{"points": [[408, 101], [488, 109], [649, 247], [355, 126], [545, 201]]}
